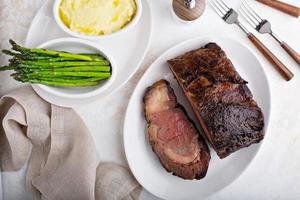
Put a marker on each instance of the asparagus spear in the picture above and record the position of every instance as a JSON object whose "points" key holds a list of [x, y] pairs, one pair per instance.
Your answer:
{"points": [[93, 55], [34, 56], [26, 78], [69, 69], [27, 51], [19, 56], [49, 59], [58, 82], [37, 57], [17, 60], [21, 76], [79, 80], [90, 54], [64, 84], [85, 74], [5, 68], [11, 53], [23, 55], [62, 64], [81, 69]]}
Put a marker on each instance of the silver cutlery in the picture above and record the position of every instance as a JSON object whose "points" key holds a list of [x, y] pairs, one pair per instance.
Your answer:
{"points": [[264, 26], [230, 16]]}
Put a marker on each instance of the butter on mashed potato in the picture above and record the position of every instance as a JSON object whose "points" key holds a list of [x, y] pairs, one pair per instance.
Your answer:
{"points": [[97, 17]]}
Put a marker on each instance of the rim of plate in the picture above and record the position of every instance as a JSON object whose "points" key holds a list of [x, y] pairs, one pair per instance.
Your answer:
{"points": [[127, 27], [267, 120], [92, 93]]}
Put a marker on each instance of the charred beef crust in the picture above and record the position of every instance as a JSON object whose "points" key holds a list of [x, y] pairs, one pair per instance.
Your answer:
{"points": [[233, 126], [168, 106], [208, 63], [220, 99]]}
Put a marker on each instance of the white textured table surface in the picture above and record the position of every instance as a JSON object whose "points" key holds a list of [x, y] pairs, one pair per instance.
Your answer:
{"points": [[274, 173]]}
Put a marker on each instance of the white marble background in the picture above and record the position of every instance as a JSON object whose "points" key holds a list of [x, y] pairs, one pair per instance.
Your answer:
{"points": [[274, 173]]}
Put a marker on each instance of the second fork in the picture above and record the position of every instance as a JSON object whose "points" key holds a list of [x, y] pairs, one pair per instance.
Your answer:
{"points": [[264, 26], [230, 16]]}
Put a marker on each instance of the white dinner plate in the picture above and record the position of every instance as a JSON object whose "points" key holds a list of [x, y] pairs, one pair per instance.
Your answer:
{"points": [[128, 49], [145, 165]]}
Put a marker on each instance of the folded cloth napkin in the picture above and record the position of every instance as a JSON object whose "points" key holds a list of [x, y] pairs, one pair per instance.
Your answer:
{"points": [[61, 155]]}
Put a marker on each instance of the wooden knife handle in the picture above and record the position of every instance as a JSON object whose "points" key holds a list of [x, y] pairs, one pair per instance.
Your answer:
{"points": [[291, 51], [284, 7], [281, 68]]}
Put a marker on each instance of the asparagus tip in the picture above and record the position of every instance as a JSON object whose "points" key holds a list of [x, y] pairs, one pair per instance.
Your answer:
{"points": [[13, 43], [15, 46], [7, 52], [4, 68]]}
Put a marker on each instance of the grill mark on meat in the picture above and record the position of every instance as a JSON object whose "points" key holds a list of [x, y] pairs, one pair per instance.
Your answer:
{"points": [[172, 135], [220, 98]]}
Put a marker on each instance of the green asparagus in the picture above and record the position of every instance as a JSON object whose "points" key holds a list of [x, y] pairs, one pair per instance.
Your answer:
{"points": [[62, 64], [65, 84], [56, 68], [20, 49]]}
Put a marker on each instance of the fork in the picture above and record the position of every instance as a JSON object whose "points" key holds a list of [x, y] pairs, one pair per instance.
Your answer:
{"points": [[230, 16], [264, 26]]}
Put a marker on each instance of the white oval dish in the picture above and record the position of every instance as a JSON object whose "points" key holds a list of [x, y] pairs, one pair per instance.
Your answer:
{"points": [[75, 45], [145, 165], [131, 24], [128, 53]]}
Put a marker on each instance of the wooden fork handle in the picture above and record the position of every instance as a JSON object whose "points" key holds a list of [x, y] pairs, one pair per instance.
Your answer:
{"points": [[284, 7], [291, 51], [281, 68]]}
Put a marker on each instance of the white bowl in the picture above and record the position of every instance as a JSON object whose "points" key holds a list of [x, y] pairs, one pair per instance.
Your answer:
{"points": [[131, 24], [75, 45]]}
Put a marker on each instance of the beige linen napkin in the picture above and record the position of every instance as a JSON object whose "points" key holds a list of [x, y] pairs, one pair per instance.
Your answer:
{"points": [[62, 158]]}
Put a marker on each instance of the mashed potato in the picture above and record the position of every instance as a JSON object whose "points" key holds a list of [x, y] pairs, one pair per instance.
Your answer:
{"points": [[97, 17]]}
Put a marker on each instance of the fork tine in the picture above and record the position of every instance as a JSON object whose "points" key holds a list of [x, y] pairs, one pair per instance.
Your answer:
{"points": [[249, 15], [224, 4], [216, 8], [255, 13], [221, 5], [248, 18], [251, 11]]}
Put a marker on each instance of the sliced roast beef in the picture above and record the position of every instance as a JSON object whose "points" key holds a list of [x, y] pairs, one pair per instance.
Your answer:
{"points": [[172, 135], [220, 98]]}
